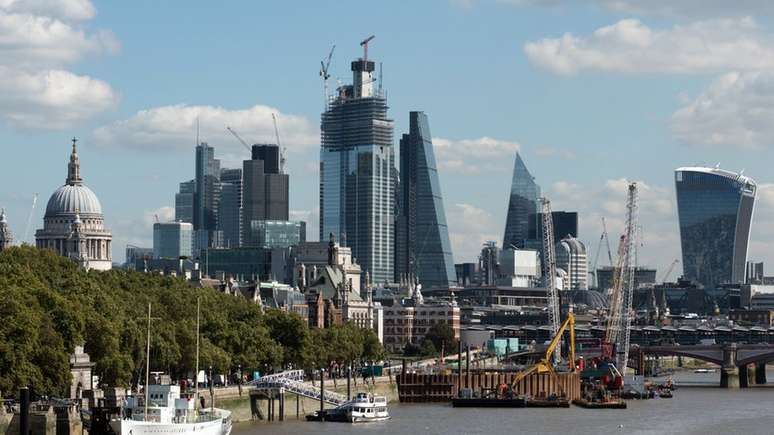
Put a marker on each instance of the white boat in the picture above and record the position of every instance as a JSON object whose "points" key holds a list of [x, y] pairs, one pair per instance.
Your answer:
{"points": [[364, 408], [168, 413], [161, 410]]}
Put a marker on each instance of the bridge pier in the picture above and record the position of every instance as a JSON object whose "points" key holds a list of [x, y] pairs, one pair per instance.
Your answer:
{"points": [[744, 377], [729, 372], [760, 373]]}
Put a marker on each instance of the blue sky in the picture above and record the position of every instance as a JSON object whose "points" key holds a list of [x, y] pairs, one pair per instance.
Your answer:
{"points": [[592, 93]]}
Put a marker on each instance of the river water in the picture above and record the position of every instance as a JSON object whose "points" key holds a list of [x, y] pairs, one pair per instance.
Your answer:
{"points": [[700, 409]]}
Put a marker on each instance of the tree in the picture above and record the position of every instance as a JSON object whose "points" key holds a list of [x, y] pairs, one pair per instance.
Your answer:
{"points": [[442, 337]]}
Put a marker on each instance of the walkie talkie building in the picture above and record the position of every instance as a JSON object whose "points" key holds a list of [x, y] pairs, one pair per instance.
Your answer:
{"points": [[715, 209]]}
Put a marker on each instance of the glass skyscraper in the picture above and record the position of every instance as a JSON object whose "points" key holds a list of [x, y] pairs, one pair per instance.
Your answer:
{"points": [[357, 165], [522, 207], [265, 190], [206, 198], [230, 207], [715, 209], [422, 245]]}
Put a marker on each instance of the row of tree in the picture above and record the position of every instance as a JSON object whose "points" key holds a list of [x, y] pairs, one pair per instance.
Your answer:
{"points": [[49, 306]]}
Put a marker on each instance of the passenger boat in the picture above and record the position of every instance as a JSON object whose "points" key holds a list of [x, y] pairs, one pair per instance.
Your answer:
{"points": [[162, 410], [364, 408], [168, 413]]}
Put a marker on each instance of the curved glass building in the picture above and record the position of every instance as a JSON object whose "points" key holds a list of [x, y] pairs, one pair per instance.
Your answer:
{"points": [[715, 209], [522, 206]]}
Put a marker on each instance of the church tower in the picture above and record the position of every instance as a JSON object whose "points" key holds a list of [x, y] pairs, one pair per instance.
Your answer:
{"points": [[6, 239]]}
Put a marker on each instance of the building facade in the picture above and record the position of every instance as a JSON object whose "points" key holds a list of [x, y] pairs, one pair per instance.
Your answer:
{"points": [[230, 207], [6, 238], [422, 246], [265, 191], [565, 225], [404, 324], [184, 202], [206, 198], [73, 225], [357, 170], [572, 258], [522, 205], [172, 239], [277, 234], [715, 209]]}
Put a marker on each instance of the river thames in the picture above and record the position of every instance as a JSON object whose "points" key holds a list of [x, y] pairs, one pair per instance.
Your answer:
{"points": [[699, 409]]}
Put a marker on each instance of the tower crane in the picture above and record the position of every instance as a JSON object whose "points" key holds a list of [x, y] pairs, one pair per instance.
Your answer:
{"points": [[29, 217], [549, 257], [242, 141], [669, 270], [364, 44], [324, 64], [603, 237], [282, 149]]}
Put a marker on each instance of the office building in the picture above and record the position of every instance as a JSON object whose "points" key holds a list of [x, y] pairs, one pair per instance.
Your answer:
{"points": [[230, 207], [468, 274], [265, 191], [206, 198], [519, 268], [422, 246], [73, 225], [277, 234], [571, 257], [489, 263], [134, 253], [754, 273], [643, 277], [357, 169], [184, 201], [172, 239], [565, 225], [715, 210], [522, 205]]}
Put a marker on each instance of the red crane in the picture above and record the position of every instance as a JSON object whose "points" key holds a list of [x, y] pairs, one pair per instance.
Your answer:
{"points": [[364, 44]]}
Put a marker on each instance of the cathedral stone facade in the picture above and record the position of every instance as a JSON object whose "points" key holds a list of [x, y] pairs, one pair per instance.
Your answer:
{"points": [[73, 225], [6, 239]]}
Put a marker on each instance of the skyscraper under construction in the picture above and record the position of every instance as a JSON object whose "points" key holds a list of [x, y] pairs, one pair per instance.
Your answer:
{"points": [[357, 167]]}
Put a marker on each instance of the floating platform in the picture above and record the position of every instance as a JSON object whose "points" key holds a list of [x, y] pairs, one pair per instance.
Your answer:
{"points": [[613, 404], [521, 402]]}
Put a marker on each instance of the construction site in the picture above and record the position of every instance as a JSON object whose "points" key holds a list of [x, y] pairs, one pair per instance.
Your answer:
{"points": [[561, 371]]}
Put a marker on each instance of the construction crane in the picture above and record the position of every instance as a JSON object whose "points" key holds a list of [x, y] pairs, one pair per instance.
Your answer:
{"points": [[364, 44], [549, 258], [627, 278], [324, 65], [545, 365], [29, 217], [603, 237], [617, 333], [242, 141], [282, 149], [669, 270]]}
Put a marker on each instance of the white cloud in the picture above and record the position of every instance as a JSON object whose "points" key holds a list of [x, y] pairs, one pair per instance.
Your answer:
{"points": [[736, 110], [52, 99], [472, 156], [175, 127], [136, 230], [660, 239], [38, 38], [555, 152], [629, 46], [469, 228], [64, 9], [665, 8]]}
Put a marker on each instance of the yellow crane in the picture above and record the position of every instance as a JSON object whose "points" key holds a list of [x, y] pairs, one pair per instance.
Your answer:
{"points": [[545, 365]]}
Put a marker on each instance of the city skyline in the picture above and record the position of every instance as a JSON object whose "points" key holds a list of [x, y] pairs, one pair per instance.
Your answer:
{"points": [[139, 146]]}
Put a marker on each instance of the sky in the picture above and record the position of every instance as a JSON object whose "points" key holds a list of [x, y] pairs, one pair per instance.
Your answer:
{"points": [[592, 93]]}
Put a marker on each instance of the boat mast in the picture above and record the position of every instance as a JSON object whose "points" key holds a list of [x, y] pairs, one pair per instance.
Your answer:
{"points": [[196, 375], [147, 364]]}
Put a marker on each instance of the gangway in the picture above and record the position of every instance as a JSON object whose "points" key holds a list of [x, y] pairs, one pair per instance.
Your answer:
{"points": [[292, 381]]}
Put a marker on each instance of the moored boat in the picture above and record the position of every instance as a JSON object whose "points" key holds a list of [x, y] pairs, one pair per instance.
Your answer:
{"points": [[364, 408]]}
